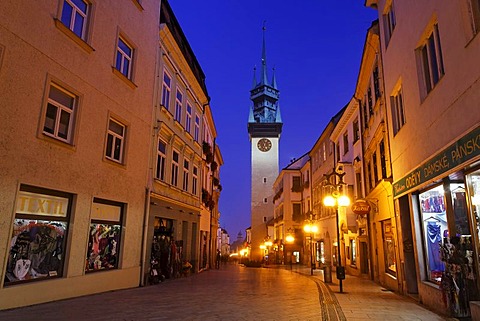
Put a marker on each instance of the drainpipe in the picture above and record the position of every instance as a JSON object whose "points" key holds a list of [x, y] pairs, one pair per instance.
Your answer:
{"points": [[146, 214], [212, 247]]}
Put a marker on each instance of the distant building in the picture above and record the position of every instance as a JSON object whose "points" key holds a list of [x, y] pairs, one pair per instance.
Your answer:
{"points": [[223, 241], [292, 207]]}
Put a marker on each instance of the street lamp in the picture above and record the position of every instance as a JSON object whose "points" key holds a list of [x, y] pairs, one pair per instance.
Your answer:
{"points": [[311, 229], [265, 246], [290, 238], [336, 199]]}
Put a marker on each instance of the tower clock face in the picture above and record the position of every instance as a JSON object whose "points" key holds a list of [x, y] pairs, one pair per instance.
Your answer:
{"points": [[264, 144]]}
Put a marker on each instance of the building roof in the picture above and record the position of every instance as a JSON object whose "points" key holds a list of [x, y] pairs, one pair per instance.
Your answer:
{"points": [[168, 17], [298, 163]]}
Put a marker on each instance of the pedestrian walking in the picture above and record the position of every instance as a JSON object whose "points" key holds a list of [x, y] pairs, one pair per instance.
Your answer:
{"points": [[218, 259]]}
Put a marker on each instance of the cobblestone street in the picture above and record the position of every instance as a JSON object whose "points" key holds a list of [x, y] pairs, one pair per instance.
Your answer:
{"points": [[231, 293]]}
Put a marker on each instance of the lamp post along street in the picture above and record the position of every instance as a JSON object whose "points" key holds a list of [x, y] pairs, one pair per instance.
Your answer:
{"points": [[311, 229], [336, 199], [290, 239]]}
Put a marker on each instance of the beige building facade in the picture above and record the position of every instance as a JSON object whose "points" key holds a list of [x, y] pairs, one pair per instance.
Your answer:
{"points": [[292, 205], [382, 222], [76, 105], [106, 119], [348, 155], [431, 78]]}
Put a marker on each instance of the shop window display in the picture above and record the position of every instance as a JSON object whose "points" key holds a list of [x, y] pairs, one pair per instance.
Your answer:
{"points": [[38, 239], [103, 247], [167, 251], [474, 193], [434, 220], [104, 236], [389, 248]]}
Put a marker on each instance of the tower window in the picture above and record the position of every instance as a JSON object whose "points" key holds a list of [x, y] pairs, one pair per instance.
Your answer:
{"points": [[264, 179], [265, 200]]}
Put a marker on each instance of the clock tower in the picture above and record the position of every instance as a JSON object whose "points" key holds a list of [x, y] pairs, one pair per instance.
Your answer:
{"points": [[264, 128]]}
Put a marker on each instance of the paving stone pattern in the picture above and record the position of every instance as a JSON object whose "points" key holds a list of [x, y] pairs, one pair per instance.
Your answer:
{"points": [[235, 292]]}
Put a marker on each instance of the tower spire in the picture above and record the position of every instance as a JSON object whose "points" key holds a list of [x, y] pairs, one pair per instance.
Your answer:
{"points": [[264, 80], [274, 80]]}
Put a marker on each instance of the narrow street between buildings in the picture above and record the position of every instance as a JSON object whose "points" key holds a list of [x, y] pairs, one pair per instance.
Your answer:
{"points": [[236, 293]]}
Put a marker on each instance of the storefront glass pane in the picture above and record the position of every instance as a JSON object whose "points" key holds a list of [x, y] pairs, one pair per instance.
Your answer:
{"points": [[435, 229], [389, 248], [37, 246], [36, 252], [353, 249], [104, 235], [460, 209], [474, 192], [103, 244]]}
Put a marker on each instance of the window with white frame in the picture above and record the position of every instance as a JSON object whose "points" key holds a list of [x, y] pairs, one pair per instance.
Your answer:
{"points": [[473, 17], [383, 159], [356, 131], [166, 89], [194, 180], [161, 160], [60, 113], [376, 82], [345, 142], [370, 101], [364, 111], [337, 151], [188, 118], [178, 105], [174, 176], [196, 134], [124, 58], [75, 16], [431, 61], [398, 112], [186, 172], [115, 141], [374, 169], [389, 22]]}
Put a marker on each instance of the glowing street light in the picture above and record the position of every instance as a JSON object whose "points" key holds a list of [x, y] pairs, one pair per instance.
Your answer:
{"points": [[290, 238], [311, 229], [336, 200]]}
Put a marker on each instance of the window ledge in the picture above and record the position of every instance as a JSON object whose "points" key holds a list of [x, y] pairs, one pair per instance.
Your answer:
{"points": [[166, 112], [114, 162], [130, 83], [57, 141], [138, 5], [187, 133], [431, 284], [70, 34], [178, 124]]}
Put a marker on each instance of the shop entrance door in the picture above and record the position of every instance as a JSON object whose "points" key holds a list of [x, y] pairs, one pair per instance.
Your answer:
{"points": [[408, 252], [363, 258]]}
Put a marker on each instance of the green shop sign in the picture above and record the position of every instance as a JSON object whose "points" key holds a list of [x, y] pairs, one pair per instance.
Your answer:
{"points": [[462, 150]]}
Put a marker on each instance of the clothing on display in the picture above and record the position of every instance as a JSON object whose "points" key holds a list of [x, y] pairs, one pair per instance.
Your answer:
{"points": [[36, 250], [102, 247]]}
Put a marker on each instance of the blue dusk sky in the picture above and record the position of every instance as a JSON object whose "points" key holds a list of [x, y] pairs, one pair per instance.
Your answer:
{"points": [[315, 47]]}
